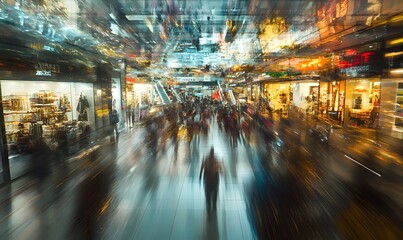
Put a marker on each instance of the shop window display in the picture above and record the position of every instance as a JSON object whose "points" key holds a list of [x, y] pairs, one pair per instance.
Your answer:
{"points": [[390, 108], [279, 95], [45, 110], [362, 102], [331, 100], [305, 96], [324, 99], [116, 99], [139, 99], [82, 107]]}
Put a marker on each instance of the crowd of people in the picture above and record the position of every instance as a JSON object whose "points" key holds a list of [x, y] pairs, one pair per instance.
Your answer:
{"points": [[191, 120]]}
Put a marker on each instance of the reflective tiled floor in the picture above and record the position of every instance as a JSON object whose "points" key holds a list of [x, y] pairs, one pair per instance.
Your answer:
{"points": [[287, 189]]}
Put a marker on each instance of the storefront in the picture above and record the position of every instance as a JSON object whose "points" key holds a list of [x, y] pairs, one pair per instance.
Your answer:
{"points": [[305, 96], [140, 94], [58, 112], [140, 97], [331, 100], [240, 92], [117, 97], [280, 95], [360, 68], [61, 104], [391, 110], [362, 102], [202, 89], [254, 94]]}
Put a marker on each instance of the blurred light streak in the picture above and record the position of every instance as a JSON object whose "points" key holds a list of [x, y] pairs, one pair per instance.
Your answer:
{"points": [[393, 54], [362, 165], [396, 41], [105, 206], [397, 71]]}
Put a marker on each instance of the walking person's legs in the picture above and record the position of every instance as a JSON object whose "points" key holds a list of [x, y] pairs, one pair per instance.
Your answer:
{"points": [[208, 194], [214, 196]]}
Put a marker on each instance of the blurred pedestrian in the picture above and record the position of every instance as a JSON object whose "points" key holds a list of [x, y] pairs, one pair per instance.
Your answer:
{"points": [[210, 170], [41, 159], [114, 124]]}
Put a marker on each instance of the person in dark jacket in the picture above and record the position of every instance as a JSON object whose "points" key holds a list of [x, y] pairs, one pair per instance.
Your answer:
{"points": [[41, 159], [210, 170], [114, 120]]}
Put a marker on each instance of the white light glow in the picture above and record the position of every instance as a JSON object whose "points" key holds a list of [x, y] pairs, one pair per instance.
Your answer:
{"points": [[397, 71], [139, 88]]}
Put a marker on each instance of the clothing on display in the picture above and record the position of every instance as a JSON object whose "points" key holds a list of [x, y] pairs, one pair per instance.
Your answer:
{"points": [[35, 130], [64, 104], [82, 107], [45, 110]]}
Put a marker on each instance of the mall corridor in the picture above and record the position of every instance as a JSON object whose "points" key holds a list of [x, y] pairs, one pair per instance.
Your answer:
{"points": [[201, 119], [279, 187]]}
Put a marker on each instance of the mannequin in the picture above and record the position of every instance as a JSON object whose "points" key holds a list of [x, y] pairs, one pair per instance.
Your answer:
{"points": [[82, 108]]}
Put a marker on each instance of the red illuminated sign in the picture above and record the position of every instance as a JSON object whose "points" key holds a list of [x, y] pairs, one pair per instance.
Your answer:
{"points": [[130, 79], [352, 59], [350, 52]]}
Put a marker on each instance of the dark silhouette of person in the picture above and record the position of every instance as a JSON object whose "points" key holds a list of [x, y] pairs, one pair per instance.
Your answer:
{"points": [[41, 159], [358, 102], [114, 120], [210, 170], [93, 196]]}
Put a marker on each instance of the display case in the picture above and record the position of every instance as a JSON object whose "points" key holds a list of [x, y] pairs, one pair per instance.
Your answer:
{"points": [[41, 114]]}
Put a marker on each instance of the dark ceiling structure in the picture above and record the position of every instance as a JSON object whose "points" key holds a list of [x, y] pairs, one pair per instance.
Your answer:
{"points": [[223, 33], [197, 33], [214, 32]]}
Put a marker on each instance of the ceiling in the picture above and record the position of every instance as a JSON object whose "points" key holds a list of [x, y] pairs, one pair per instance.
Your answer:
{"points": [[219, 33], [224, 33], [192, 34]]}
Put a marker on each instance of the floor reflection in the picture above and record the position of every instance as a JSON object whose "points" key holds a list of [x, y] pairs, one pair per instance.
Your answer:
{"points": [[276, 182]]}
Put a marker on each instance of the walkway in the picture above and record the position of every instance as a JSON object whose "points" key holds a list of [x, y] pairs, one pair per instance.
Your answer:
{"points": [[282, 189]]}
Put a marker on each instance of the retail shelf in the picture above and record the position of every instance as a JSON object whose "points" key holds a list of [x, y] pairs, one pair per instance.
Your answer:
{"points": [[43, 104], [16, 112]]}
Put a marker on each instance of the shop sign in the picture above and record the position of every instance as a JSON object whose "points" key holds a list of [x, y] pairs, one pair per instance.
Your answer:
{"points": [[360, 89], [188, 79], [49, 48], [276, 74], [37, 46], [353, 71], [46, 69], [130, 79], [42, 46], [43, 73]]}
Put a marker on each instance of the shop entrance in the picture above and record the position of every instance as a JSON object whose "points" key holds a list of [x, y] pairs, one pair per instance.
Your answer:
{"points": [[362, 102], [60, 114]]}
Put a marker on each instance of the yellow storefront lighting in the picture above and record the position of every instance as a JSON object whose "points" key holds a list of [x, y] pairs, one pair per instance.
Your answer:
{"points": [[393, 54], [396, 41], [397, 19], [397, 71]]}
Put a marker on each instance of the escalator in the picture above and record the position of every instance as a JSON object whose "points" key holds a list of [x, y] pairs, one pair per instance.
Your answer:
{"points": [[232, 97], [220, 91], [161, 92], [175, 93]]}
